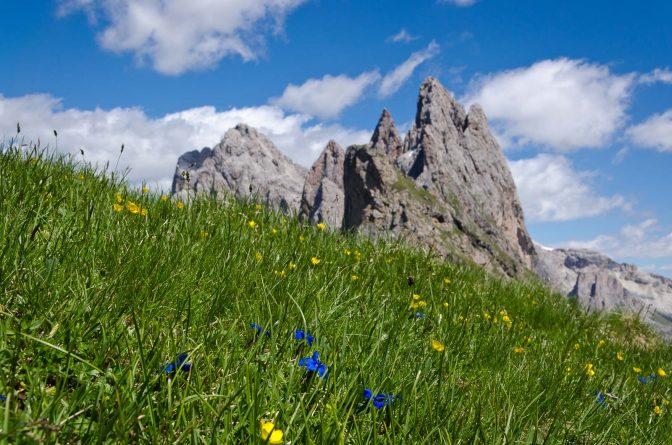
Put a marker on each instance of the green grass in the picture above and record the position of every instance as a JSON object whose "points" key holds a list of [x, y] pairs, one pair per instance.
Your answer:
{"points": [[94, 302]]}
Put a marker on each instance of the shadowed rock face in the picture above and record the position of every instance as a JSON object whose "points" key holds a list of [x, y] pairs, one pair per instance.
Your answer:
{"points": [[323, 198], [245, 163], [447, 186], [599, 283]]}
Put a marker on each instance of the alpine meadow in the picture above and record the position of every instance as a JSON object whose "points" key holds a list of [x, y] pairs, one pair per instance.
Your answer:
{"points": [[131, 317]]}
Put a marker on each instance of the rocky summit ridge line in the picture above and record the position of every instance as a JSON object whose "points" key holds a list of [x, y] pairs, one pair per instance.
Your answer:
{"points": [[445, 186]]}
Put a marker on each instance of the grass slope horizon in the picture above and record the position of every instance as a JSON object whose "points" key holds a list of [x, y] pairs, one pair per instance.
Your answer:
{"points": [[129, 317]]}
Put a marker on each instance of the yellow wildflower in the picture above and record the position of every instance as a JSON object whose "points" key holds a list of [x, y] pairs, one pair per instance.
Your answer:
{"points": [[502, 312], [354, 277], [506, 319], [445, 304], [590, 370], [82, 177], [568, 370], [145, 189], [518, 350], [164, 198], [133, 207], [487, 316], [180, 205], [258, 206], [281, 273], [321, 226], [577, 346], [291, 265], [301, 238], [118, 208], [620, 356], [446, 280], [438, 346], [661, 372], [657, 410], [143, 211], [417, 303], [251, 224], [204, 234], [258, 256], [274, 231], [315, 261], [636, 370], [118, 198], [346, 252], [270, 434], [601, 343]]}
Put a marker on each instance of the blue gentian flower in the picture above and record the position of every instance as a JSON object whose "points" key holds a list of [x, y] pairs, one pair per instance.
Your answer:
{"points": [[313, 364], [3, 398], [381, 400], [601, 399], [302, 335], [170, 368], [420, 315], [645, 380], [260, 330]]}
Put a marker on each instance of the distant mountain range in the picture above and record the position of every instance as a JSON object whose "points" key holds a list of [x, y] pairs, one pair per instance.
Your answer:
{"points": [[445, 186]]}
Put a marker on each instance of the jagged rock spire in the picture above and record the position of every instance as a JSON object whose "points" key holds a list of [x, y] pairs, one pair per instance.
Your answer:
{"points": [[385, 137], [322, 199]]}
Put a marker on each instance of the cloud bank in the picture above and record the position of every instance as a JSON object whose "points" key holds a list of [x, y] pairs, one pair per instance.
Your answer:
{"points": [[550, 189], [560, 104], [176, 36], [152, 145]]}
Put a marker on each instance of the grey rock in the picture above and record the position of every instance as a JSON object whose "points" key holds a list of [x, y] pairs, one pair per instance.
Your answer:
{"points": [[246, 164], [323, 198], [447, 186], [601, 284]]}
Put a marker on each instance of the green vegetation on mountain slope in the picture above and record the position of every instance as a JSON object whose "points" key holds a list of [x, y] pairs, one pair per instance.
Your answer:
{"points": [[128, 317]]}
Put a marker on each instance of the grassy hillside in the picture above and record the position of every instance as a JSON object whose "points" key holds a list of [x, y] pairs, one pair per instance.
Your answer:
{"points": [[127, 317]]}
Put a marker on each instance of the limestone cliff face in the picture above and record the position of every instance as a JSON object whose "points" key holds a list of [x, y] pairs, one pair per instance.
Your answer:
{"points": [[599, 283], [245, 163], [323, 198], [447, 186]]}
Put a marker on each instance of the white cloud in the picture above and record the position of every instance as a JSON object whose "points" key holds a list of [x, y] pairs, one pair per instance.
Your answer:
{"points": [[462, 3], [326, 97], [551, 190], [398, 76], [655, 132], [152, 145], [644, 240], [561, 104], [402, 36], [178, 36], [658, 75]]}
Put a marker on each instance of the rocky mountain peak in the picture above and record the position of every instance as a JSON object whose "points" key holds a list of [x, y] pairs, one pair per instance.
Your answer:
{"points": [[245, 163], [385, 136], [450, 186], [322, 199]]}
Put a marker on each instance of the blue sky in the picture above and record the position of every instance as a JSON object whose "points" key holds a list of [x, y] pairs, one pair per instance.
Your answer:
{"points": [[579, 93]]}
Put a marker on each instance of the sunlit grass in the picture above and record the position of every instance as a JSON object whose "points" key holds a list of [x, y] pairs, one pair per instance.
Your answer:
{"points": [[103, 287]]}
